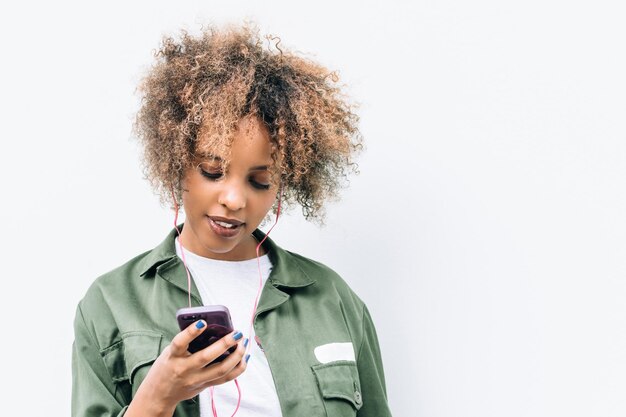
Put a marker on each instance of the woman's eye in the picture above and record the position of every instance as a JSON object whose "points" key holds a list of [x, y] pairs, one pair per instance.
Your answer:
{"points": [[259, 185], [212, 175]]}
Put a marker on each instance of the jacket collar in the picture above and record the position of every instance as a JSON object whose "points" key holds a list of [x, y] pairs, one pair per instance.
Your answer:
{"points": [[286, 267]]}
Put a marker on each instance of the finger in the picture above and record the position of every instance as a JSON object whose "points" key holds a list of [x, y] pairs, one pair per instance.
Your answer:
{"points": [[181, 341], [225, 373], [212, 352], [221, 369]]}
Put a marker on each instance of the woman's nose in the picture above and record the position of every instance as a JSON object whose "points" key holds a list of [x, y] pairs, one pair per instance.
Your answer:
{"points": [[232, 196]]}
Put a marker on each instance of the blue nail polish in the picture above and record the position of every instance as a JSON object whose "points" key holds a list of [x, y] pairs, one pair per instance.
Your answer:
{"points": [[247, 357], [245, 343], [200, 324], [237, 336]]}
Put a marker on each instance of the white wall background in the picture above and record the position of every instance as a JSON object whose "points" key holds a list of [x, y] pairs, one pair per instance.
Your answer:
{"points": [[486, 231]]}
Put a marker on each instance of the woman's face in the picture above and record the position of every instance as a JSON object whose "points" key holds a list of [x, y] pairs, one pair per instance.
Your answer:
{"points": [[223, 207]]}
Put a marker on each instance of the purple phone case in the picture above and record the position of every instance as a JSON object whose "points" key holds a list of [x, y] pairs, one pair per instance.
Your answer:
{"points": [[219, 324]]}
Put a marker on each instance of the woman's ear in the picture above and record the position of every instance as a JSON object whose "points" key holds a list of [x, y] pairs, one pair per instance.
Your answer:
{"points": [[174, 199], [182, 186]]}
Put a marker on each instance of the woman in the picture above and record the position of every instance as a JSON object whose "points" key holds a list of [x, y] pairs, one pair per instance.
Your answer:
{"points": [[231, 130]]}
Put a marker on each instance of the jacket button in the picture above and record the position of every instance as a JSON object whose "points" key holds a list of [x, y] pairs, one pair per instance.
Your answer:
{"points": [[357, 397]]}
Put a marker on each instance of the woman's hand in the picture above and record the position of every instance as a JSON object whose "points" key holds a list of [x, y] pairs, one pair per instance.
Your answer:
{"points": [[178, 375]]}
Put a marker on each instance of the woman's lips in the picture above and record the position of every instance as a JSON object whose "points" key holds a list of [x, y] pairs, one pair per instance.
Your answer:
{"points": [[224, 227]]}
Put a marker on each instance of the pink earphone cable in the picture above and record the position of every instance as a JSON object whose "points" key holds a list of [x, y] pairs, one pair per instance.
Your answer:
{"points": [[258, 261], [214, 409], [180, 245]]}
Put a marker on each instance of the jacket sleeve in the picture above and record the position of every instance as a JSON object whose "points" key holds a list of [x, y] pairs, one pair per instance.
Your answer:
{"points": [[371, 374], [93, 390]]}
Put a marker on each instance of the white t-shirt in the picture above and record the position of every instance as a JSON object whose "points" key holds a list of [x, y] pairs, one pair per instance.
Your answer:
{"points": [[235, 285]]}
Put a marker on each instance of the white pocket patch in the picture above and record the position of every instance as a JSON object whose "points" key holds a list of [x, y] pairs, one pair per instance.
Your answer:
{"points": [[334, 352]]}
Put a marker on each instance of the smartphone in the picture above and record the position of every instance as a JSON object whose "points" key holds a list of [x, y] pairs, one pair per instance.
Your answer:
{"points": [[218, 325]]}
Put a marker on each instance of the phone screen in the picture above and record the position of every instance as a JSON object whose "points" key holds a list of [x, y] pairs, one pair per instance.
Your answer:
{"points": [[218, 325]]}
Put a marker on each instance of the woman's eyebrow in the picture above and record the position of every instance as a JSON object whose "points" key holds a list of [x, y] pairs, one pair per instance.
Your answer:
{"points": [[260, 168], [208, 156], [211, 157]]}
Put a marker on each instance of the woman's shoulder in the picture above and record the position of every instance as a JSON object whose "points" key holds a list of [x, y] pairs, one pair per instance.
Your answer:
{"points": [[124, 279], [117, 279], [109, 297], [316, 268], [122, 301], [323, 278]]}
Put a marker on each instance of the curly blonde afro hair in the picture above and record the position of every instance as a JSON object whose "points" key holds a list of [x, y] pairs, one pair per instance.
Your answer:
{"points": [[208, 83]]}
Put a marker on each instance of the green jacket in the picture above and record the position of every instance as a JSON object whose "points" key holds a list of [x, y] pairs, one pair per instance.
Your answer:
{"points": [[127, 318]]}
